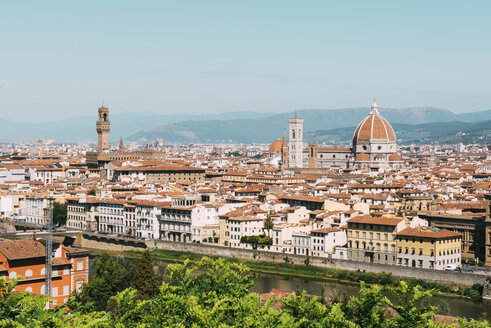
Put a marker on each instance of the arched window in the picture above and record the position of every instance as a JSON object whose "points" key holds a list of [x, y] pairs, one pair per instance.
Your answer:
{"points": [[13, 275], [43, 290], [29, 289], [28, 273]]}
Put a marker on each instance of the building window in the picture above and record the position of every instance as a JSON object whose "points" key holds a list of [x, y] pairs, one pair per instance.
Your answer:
{"points": [[80, 264], [66, 290], [79, 284], [13, 275], [29, 289], [28, 273]]}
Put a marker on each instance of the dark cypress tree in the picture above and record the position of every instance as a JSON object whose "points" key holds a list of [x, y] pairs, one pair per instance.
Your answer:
{"points": [[145, 280]]}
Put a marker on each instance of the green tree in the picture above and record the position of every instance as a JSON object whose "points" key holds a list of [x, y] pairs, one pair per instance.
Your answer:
{"points": [[214, 293], [366, 309], [91, 192], [109, 276], [268, 225], [59, 213], [145, 281], [20, 309], [410, 315]]}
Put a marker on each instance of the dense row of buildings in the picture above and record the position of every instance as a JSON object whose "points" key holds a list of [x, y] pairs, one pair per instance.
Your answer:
{"points": [[422, 206]]}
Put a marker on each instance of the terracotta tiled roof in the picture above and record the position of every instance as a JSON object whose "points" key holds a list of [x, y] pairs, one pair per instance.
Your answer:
{"points": [[372, 220], [60, 261], [76, 251], [22, 249], [428, 233], [362, 157], [326, 230], [275, 146]]}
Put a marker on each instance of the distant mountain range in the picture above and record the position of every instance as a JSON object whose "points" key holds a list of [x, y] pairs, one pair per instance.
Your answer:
{"points": [[316, 122], [82, 128], [426, 124], [441, 132]]}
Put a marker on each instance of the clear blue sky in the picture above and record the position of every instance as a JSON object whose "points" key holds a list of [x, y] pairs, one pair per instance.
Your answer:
{"points": [[64, 57]]}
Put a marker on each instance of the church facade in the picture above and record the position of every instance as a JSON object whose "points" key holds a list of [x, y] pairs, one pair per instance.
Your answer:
{"points": [[374, 147]]}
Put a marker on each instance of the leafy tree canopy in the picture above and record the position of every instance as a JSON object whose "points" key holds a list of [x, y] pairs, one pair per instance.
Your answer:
{"points": [[215, 293]]}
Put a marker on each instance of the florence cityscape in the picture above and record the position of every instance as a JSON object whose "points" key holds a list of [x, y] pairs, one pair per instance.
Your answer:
{"points": [[245, 164]]}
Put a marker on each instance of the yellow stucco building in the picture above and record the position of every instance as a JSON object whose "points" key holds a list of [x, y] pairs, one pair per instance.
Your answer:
{"points": [[429, 248]]}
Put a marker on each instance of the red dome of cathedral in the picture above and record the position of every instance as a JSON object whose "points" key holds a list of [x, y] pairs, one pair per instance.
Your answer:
{"points": [[374, 126]]}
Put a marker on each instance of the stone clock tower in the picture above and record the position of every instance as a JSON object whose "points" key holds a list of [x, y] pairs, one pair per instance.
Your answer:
{"points": [[103, 126]]}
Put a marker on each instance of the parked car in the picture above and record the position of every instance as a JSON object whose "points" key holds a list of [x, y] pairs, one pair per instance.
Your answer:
{"points": [[450, 267]]}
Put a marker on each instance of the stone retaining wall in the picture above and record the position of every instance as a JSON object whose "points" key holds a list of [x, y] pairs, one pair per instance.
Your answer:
{"points": [[444, 277]]}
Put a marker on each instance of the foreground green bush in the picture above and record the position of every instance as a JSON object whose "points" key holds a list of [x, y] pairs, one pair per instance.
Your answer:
{"points": [[215, 293]]}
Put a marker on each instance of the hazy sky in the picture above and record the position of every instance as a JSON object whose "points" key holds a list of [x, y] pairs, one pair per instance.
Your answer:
{"points": [[62, 58]]}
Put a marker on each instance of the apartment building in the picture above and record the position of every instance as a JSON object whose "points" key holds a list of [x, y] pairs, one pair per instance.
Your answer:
{"points": [[159, 174], [324, 241], [25, 260], [147, 218], [428, 248], [301, 243], [175, 224], [240, 226], [33, 210], [82, 213], [372, 239], [111, 216]]}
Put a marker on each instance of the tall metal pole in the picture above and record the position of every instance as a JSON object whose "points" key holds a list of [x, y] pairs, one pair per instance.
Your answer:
{"points": [[49, 245]]}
